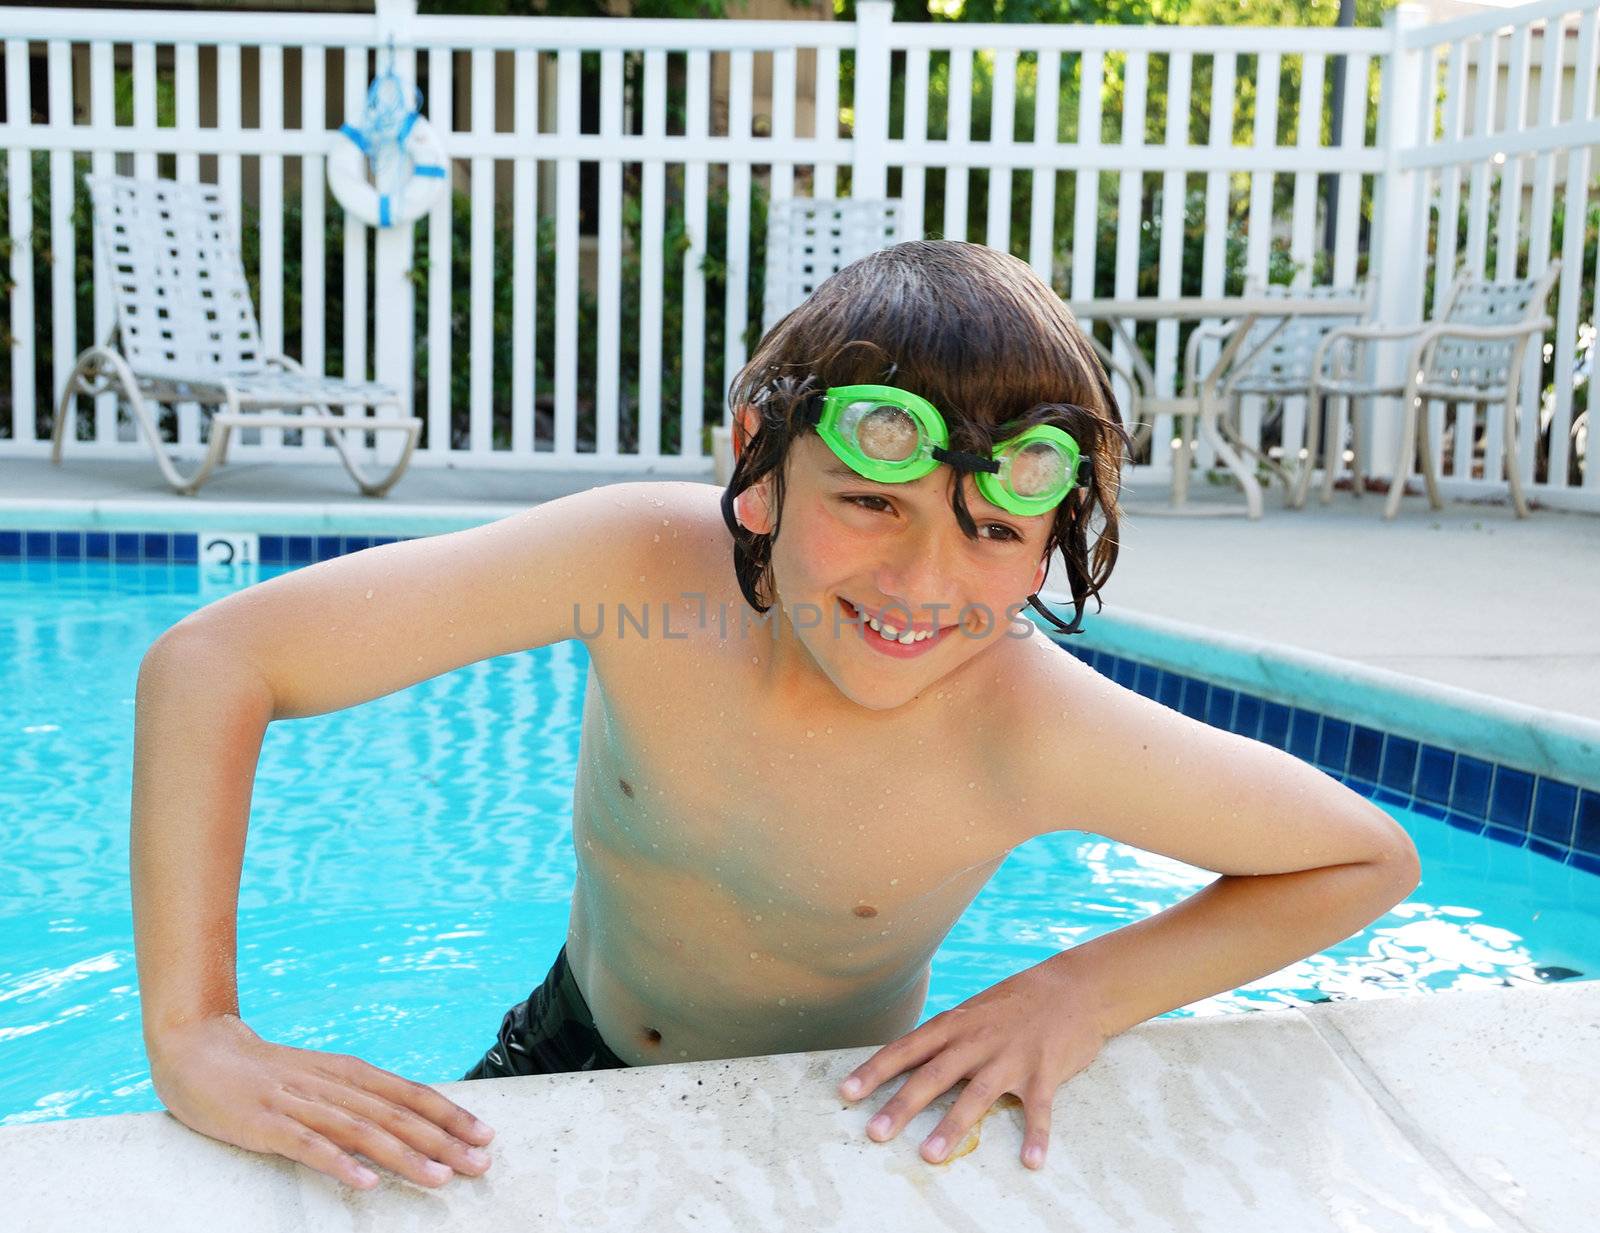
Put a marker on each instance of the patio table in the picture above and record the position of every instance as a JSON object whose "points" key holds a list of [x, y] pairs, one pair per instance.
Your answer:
{"points": [[1204, 402]]}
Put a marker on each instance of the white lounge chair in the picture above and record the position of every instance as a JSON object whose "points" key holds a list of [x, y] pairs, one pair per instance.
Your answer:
{"points": [[808, 240], [185, 331], [1471, 352]]}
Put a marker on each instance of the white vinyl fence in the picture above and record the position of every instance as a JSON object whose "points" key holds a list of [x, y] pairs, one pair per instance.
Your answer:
{"points": [[1115, 160]]}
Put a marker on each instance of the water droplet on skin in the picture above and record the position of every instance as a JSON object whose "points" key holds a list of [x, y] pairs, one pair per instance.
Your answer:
{"points": [[809, 732], [894, 881], [752, 954], [369, 594], [656, 538], [783, 1001]]}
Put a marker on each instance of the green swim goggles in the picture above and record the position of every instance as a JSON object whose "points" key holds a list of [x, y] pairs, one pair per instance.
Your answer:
{"points": [[894, 436]]}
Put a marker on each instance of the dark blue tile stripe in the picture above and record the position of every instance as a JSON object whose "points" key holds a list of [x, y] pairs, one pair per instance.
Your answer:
{"points": [[1553, 818], [181, 548]]}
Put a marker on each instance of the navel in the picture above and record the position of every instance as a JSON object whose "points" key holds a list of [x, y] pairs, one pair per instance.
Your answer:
{"points": [[651, 1036], [627, 788], [865, 910]]}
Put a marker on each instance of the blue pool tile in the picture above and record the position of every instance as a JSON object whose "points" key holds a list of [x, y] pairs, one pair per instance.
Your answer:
{"points": [[69, 545], [1464, 823], [10, 543], [1124, 671], [1275, 724], [1511, 800], [1362, 786], [1554, 807], [1427, 810], [1333, 749], [1399, 764], [379, 540], [125, 545], [157, 546], [298, 549], [39, 545], [1219, 707], [270, 549], [1470, 792], [358, 543], [1434, 768], [1170, 690], [1386, 796], [97, 545], [1506, 835], [1247, 715], [1554, 851], [328, 547], [1585, 862], [1303, 734], [186, 549], [1194, 697], [1586, 834], [1366, 751]]}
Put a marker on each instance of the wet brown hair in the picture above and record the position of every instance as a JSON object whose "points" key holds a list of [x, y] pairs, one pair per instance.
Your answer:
{"points": [[980, 336]]}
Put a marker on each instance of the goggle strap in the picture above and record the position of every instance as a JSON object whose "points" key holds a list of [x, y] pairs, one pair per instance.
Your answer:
{"points": [[964, 461]]}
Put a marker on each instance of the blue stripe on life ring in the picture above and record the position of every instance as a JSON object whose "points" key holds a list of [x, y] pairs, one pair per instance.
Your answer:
{"points": [[383, 210], [428, 169], [405, 126], [355, 135]]}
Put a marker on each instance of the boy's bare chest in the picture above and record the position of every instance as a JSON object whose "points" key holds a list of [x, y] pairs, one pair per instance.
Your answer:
{"points": [[823, 815]]}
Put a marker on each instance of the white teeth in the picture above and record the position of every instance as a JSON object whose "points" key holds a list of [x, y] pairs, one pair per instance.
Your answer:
{"points": [[894, 635]]}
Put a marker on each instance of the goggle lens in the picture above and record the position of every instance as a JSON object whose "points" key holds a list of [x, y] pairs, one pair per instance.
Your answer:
{"points": [[880, 431], [1039, 469]]}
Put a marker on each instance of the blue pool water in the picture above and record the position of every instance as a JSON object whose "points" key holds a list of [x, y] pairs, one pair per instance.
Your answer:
{"points": [[408, 867]]}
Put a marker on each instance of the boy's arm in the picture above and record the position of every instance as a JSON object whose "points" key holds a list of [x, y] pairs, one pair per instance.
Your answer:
{"points": [[318, 639], [1305, 862]]}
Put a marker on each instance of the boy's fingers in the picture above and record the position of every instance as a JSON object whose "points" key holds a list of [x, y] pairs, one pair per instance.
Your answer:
{"points": [[300, 1143], [412, 1128], [435, 1106], [357, 1133], [1037, 1106], [930, 1080], [982, 1090], [896, 1057]]}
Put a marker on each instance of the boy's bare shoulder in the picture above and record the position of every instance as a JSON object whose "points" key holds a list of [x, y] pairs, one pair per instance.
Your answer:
{"points": [[679, 526]]}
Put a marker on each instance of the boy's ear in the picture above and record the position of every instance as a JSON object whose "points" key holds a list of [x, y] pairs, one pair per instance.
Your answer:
{"points": [[744, 424], [1038, 576], [753, 510]]}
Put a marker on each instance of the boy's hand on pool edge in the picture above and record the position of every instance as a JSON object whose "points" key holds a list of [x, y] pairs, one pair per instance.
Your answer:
{"points": [[1026, 1035], [218, 1077]]}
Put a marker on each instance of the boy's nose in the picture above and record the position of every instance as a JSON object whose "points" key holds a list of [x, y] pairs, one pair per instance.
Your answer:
{"points": [[917, 571]]}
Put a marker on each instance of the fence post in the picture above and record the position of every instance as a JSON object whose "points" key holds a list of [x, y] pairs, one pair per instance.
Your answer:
{"points": [[1398, 260], [869, 170], [393, 292]]}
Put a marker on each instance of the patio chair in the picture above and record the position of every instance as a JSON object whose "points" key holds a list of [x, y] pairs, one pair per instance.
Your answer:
{"points": [[809, 239], [1274, 362], [1471, 352], [185, 331]]}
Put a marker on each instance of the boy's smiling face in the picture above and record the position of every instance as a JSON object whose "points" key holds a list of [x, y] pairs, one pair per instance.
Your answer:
{"points": [[850, 548]]}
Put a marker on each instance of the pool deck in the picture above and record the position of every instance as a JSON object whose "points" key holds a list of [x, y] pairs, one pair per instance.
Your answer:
{"points": [[1469, 597], [1456, 1111], [1449, 1113]]}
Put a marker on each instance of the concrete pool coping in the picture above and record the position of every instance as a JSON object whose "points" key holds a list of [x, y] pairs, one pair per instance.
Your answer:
{"points": [[1475, 1110], [1542, 742]]}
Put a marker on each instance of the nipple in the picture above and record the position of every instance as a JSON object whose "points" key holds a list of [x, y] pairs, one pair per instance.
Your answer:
{"points": [[627, 788], [651, 1036], [865, 910]]}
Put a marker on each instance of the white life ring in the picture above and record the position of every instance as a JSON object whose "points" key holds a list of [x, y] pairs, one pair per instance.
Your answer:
{"points": [[354, 190]]}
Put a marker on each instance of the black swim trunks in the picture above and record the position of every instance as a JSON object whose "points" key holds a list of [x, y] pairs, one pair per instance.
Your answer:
{"points": [[550, 1033]]}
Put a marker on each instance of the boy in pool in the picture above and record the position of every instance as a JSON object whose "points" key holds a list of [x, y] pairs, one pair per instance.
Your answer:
{"points": [[789, 788]]}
